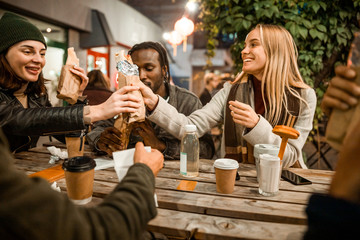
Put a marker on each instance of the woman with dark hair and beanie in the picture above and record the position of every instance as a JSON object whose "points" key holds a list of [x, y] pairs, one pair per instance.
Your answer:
{"points": [[23, 95], [98, 89]]}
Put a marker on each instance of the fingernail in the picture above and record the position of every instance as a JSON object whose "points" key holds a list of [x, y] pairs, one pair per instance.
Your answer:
{"points": [[358, 91], [344, 106], [353, 101]]}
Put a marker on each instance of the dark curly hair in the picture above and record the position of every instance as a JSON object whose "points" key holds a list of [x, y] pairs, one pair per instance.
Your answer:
{"points": [[164, 62]]}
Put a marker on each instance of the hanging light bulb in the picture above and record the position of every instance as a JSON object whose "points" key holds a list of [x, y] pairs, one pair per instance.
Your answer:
{"points": [[175, 39], [166, 36], [192, 6], [185, 27]]}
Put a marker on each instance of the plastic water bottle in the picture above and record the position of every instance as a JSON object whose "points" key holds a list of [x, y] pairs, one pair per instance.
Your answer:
{"points": [[189, 153]]}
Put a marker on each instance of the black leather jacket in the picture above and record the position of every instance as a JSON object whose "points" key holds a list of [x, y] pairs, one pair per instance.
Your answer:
{"points": [[23, 127]]}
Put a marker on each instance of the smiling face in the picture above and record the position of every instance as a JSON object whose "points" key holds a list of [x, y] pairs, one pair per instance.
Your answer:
{"points": [[27, 59], [253, 55], [150, 71]]}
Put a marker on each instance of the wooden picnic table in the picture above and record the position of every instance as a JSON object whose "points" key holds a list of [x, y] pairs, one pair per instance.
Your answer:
{"points": [[202, 213]]}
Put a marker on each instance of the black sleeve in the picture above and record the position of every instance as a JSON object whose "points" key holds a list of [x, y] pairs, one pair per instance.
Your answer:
{"points": [[41, 120], [332, 218]]}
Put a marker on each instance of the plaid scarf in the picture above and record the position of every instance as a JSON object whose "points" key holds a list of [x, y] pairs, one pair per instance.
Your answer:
{"points": [[235, 146]]}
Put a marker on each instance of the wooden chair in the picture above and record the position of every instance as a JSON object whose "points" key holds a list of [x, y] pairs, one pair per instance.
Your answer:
{"points": [[318, 140]]}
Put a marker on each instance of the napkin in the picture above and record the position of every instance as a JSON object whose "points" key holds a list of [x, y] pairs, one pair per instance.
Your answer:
{"points": [[123, 160], [55, 187], [103, 163], [57, 152]]}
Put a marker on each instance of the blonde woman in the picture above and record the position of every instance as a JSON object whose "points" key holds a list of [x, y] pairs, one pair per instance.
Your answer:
{"points": [[269, 91]]}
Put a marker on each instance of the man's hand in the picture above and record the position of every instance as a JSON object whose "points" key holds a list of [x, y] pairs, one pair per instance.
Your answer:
{"points": [[154, 159], [342, 92], [346, 181], [146, 131], [110, 141], [150, 99]]}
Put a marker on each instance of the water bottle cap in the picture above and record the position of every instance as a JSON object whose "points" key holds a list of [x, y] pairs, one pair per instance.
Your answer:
{"points": [[190, 128]]}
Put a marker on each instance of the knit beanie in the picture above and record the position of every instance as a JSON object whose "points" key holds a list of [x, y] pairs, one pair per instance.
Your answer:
{"points": [[14, 29]]}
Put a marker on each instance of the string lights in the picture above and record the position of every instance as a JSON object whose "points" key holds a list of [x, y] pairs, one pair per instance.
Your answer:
{"points": [[183, 28]]}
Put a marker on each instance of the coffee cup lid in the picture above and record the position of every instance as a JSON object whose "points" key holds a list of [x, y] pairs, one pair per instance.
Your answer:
{"points": [[79, 164], [226, 164], [265, 148]]}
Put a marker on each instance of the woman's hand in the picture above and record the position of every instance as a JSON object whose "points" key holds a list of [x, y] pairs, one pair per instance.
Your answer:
{"points": [[150, 99], [118, 102], [243, 114], [84, 79], [342, 92]]}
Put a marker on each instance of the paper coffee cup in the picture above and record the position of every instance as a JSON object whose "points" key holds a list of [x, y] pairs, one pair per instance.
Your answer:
{"points": [[75, 145], [79, 175], [225, 173]]}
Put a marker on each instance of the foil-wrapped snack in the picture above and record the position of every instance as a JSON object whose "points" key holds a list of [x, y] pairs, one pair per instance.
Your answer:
{"points": [[127, 68], [128, 74]]}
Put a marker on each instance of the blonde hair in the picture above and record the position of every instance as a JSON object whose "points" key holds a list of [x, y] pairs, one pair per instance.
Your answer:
{"points": [[281, 70]]}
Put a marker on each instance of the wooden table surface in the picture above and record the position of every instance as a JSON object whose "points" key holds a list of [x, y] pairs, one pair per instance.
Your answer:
{"points": [[203, 213]]}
